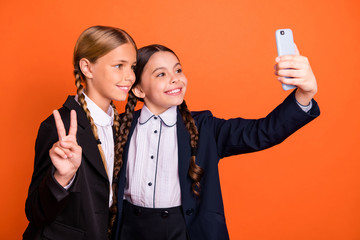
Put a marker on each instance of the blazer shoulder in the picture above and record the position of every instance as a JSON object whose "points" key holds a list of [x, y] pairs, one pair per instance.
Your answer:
{"points": [[201, 114], [64, 111]]}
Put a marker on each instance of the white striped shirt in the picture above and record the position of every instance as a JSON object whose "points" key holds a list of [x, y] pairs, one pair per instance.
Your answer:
{"points": [[152, 167]]}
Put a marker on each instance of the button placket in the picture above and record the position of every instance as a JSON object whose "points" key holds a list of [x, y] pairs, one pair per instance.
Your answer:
{"points": [[157, 132]]}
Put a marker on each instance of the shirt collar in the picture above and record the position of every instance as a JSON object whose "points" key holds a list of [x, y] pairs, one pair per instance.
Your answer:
{"points": [[100, 117], [168, 117]]}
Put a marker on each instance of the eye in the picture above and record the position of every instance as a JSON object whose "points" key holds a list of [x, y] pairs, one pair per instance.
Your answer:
{"points": [[179, 70], [160, 75], [119, 66]]}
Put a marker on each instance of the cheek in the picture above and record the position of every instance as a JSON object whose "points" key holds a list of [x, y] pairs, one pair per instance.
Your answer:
{"points": [[158, 86], [185, 82]]}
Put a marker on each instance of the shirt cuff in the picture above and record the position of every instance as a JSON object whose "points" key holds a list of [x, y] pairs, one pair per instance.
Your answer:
{"points": [[305, 108], [70, 183]]}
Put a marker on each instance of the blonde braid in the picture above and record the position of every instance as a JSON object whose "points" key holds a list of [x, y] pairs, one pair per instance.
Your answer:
{"points": [[81, 99]]}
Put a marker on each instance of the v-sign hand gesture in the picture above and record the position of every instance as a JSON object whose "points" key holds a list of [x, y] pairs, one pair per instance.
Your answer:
{"points": [[65, 154]]}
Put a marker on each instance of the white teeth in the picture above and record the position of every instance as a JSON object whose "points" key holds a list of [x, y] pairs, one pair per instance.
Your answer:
{"points": [[125, 88], [174, 91]]}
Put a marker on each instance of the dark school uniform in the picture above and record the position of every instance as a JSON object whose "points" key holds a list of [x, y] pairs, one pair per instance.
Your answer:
{"points": [[219, 138], [82, 211]]}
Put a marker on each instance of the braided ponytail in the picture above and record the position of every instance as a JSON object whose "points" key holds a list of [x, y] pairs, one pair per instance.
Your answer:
{"points": [[122, 137], [195, 171], [116, 118]]}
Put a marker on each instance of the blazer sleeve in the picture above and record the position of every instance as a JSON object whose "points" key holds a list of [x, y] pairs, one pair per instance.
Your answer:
{"points": [[46, 196], [238, 135]]}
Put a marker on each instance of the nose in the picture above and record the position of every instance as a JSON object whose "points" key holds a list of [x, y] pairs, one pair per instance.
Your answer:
{"points": [[174, 79], [130, 76]]}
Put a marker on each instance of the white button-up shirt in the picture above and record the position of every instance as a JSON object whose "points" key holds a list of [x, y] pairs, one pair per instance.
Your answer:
{"points": [[152, 167]]}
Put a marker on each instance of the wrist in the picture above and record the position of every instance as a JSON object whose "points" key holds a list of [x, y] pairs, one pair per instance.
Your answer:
{"points": [[303, 98], [63, 179]]}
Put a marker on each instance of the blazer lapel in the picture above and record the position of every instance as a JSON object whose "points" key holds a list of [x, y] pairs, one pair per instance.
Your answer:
{"points": [[86, 138]]}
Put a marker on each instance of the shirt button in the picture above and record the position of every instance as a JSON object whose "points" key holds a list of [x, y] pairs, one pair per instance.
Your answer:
{"points": [[149, 184], [155, 131], [155, 118], [152, 157]]}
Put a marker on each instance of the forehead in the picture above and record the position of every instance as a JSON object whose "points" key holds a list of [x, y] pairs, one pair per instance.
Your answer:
{"points": [[162, 59], [124, 52]]}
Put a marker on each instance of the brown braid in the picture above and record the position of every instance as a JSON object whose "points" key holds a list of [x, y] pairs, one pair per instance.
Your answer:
{"points": [[195, 171], [122, 137], [116, 118]]}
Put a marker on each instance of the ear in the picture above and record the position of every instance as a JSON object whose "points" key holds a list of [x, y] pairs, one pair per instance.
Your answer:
{"points": [[85, 67], [138, 92]]}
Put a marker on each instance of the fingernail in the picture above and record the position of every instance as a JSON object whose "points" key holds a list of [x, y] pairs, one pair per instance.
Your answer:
{"points": [[277, 59], [70, 155]]}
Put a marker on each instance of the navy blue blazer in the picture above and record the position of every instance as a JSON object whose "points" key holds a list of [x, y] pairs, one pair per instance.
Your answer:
{"points": [[82, 211], [220, 138]]}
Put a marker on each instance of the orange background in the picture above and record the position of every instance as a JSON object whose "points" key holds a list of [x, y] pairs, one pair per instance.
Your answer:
{"points": [[306, 188]]}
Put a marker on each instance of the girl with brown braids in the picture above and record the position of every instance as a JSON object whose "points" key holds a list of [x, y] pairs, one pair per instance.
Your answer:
{"points": [[70, 192], [169, 186]]}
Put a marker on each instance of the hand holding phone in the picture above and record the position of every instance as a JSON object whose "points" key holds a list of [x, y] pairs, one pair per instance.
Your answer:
{"points": [[285, 46]]}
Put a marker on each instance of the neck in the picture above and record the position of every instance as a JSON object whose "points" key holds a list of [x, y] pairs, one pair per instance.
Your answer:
{"points": [[98, 100], [156, 111]]}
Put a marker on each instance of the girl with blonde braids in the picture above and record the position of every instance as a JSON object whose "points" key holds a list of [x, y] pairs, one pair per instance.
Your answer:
{"points": [[70, 192], [169, 186]]}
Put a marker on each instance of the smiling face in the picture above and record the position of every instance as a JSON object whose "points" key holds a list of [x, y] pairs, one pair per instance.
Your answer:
{"points": [[162, 84], [111, 76]]}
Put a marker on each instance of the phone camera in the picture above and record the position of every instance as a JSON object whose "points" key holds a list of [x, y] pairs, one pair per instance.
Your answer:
{"points": [[282, 32]]}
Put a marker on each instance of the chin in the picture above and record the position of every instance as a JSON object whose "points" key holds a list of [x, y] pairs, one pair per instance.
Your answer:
{"points": [[120, 99]]}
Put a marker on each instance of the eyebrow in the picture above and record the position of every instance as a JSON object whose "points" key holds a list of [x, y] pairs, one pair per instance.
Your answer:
{"points": [[120, 61], [123, 61], [159, 68]]}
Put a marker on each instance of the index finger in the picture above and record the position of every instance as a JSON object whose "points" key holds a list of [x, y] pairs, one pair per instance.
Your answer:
{"points": [[59, 124], [73, 123]]}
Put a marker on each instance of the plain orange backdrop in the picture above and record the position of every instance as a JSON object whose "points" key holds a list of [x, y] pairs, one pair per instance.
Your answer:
{"points": [[305, 188]]}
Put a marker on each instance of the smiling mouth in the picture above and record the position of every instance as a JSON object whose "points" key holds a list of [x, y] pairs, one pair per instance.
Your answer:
{"points": [[173, 91], [124, 88]]}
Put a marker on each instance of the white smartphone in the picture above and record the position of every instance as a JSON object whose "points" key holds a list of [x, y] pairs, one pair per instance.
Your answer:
{"points": [[285, 46]]}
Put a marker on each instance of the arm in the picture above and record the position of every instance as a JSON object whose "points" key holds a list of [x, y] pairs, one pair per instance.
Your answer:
{"points": [[255, 135], [238, 135]]}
